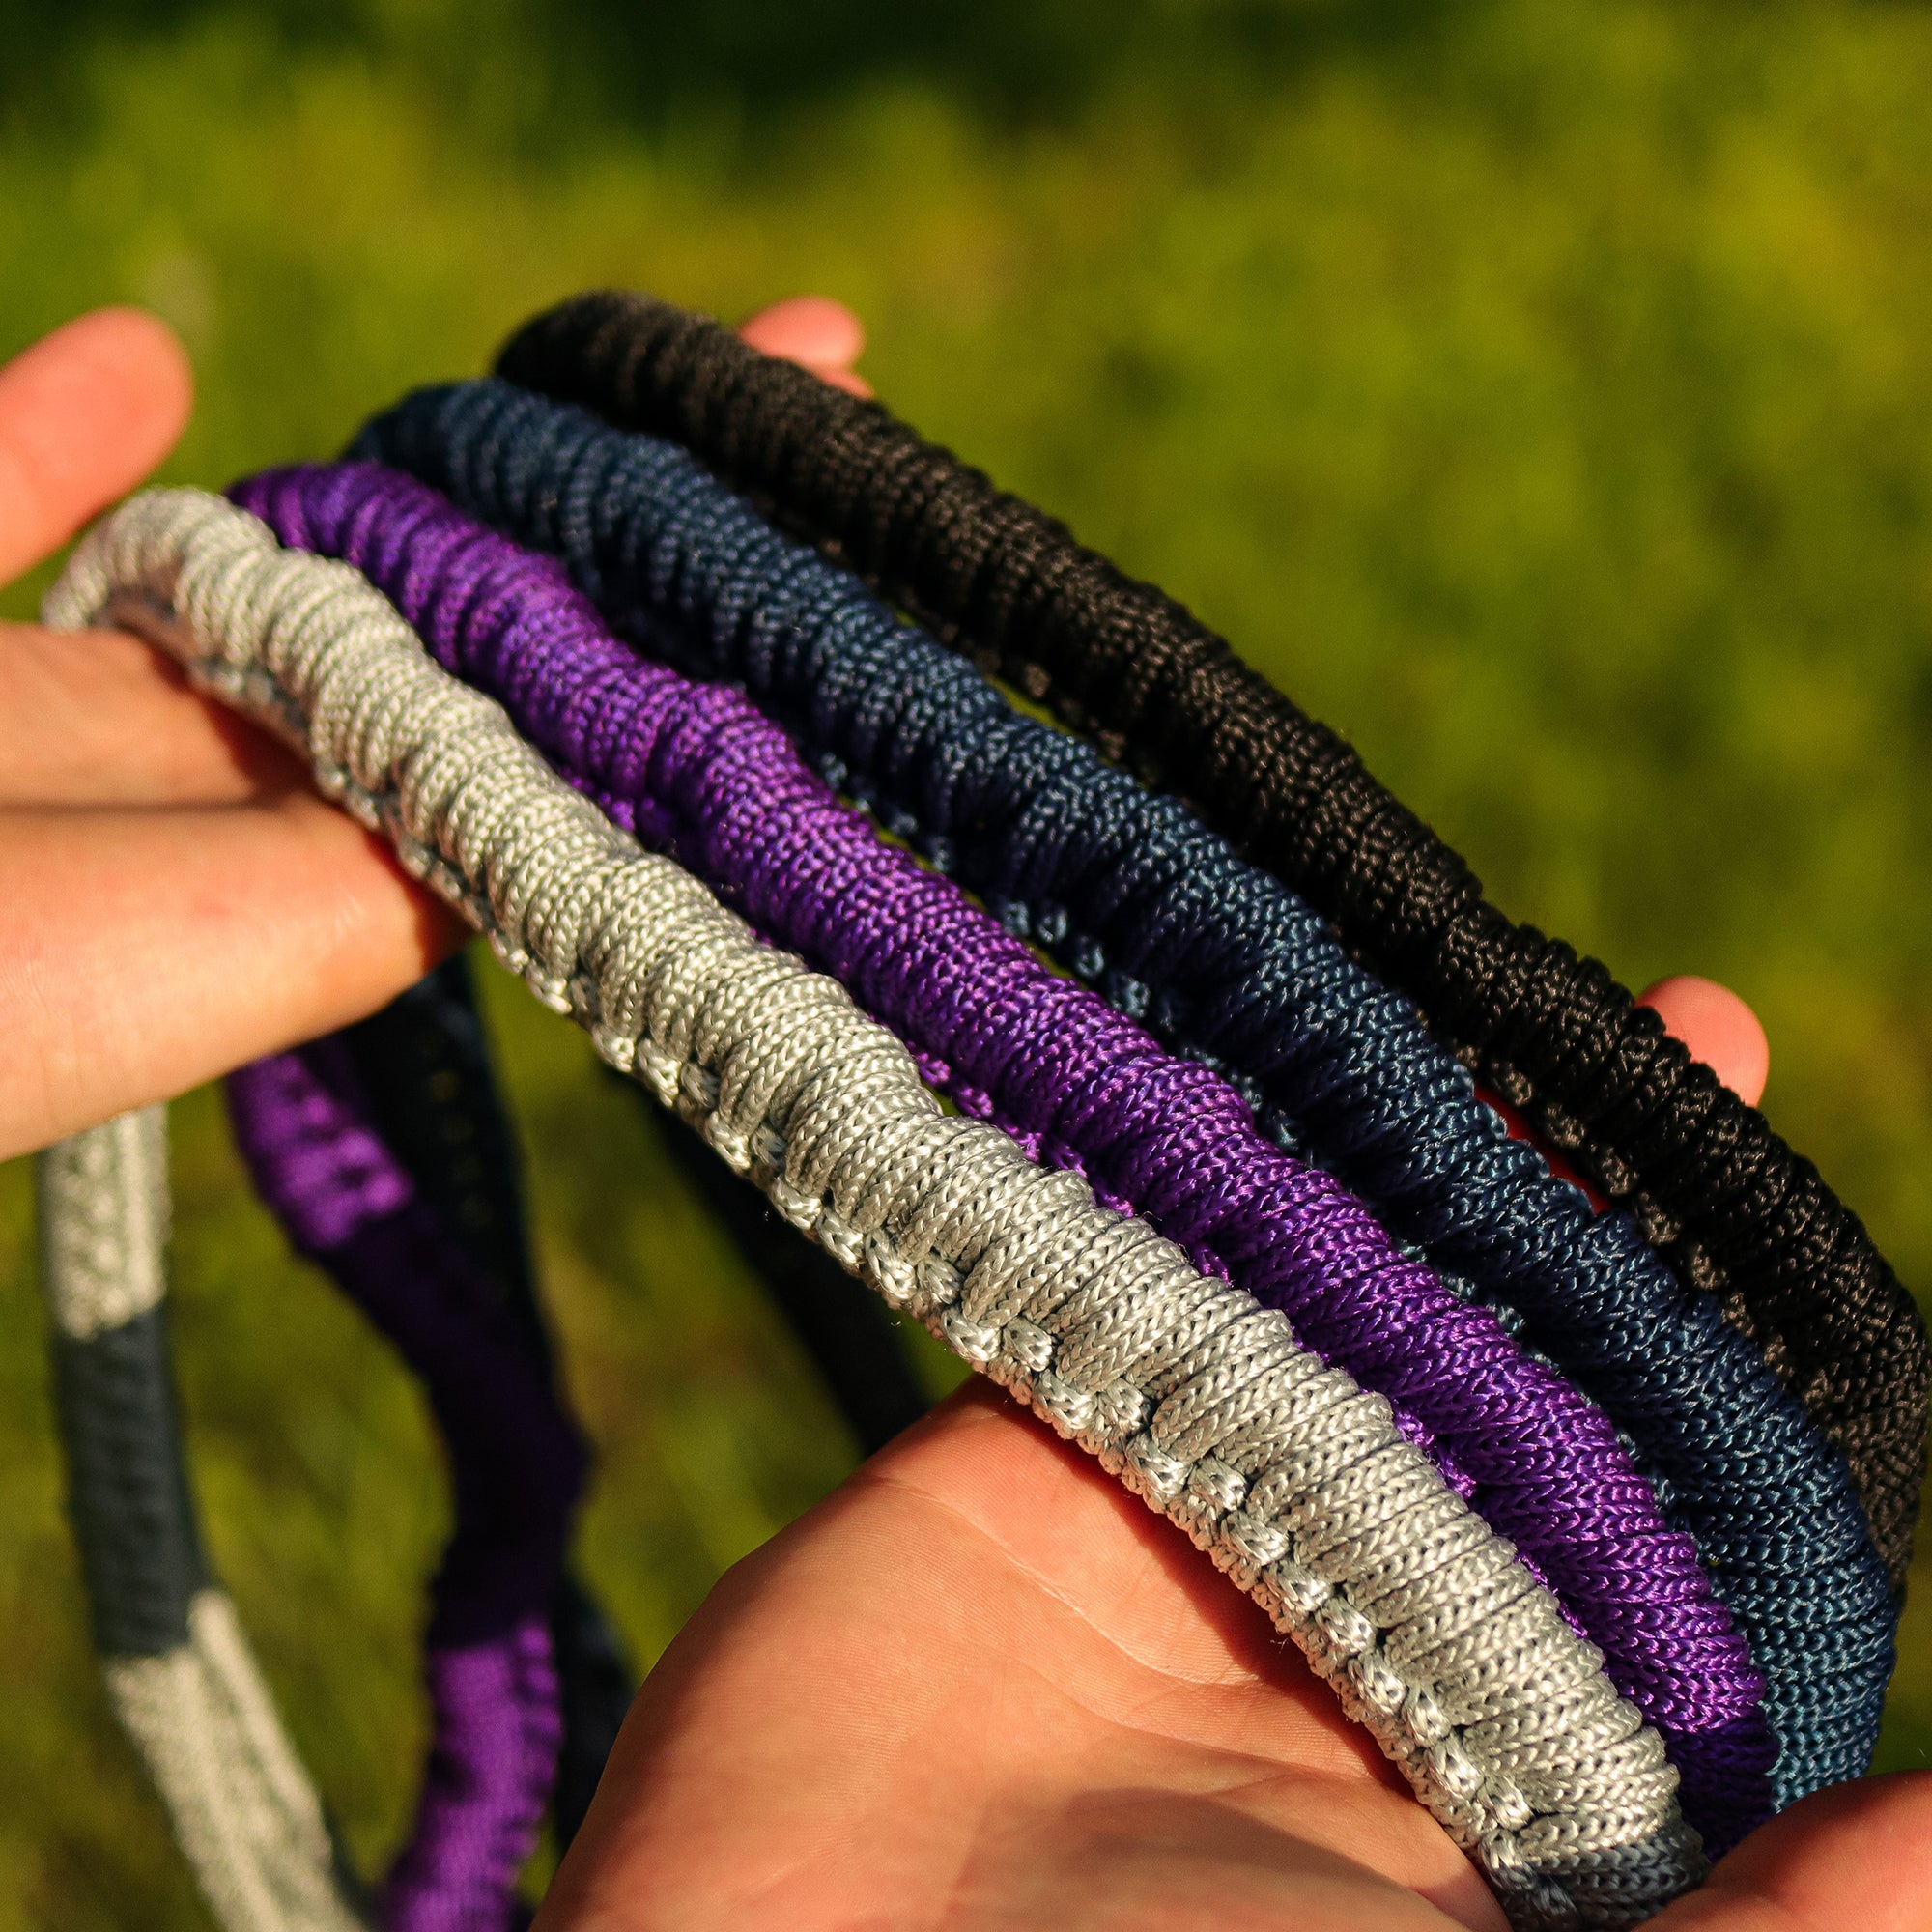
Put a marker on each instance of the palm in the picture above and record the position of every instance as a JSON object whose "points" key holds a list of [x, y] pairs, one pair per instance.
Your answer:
{"points": [[983, 1686]]}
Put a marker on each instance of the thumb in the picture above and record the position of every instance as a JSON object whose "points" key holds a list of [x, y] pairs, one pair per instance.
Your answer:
{"points": [[1853, 1856]]}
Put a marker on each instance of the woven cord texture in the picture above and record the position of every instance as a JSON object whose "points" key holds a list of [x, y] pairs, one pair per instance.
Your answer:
{"points": [[303, 1123], [182, 1686], [423, 1069], [426, 1088], [102, 1224], [1554, 1032], [177, 1668], [1078, 1083], [848, 1333], [661, 542], [1295, 1480], [423, 1075], [243, 1810]]}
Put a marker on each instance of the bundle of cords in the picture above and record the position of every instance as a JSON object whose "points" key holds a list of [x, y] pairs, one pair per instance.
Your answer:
{"points": [[1739, 1214], [380, 1151], [383, 1152], [1591, 1519]]}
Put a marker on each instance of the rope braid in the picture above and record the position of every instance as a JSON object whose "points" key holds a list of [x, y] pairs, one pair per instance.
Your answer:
{"points": [[710, 780], [1738, 1213], [378, 1150], [665, 545], [1294, 1479], [422, 1069], [177, 1665], [418, 1075], [179, 1671], [849, 1334], [516, 1469]]}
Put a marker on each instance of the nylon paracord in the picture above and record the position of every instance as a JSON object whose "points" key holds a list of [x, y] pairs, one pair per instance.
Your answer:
{"points": [[1200, 1400], [178, 1667], [1738, 1212], [684, 565], [703, 775]]}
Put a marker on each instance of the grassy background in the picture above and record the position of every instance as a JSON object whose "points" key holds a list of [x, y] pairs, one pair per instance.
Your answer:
{"points": [[1541, 392]]}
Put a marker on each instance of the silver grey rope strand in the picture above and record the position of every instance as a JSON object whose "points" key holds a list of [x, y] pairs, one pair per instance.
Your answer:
{"points": [[178, 1668], [1292, 1479]]}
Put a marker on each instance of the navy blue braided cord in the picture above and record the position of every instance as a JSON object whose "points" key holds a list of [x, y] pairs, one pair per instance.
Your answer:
{"points": [[1732, 1206], [1130, 891], [429, 1081]]}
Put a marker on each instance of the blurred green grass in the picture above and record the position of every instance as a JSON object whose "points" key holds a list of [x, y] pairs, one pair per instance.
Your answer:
{"points": [[1539, 391]]}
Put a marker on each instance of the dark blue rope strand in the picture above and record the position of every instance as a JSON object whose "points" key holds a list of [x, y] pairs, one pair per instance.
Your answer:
{"points": [[1130, 892]]}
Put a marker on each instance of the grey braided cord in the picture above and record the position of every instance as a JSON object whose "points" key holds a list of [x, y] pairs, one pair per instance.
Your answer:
{"points": [[178, 1668], [103, 1223], [1292, 1479]]}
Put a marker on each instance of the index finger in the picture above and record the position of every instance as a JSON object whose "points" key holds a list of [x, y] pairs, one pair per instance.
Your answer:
{"points": [[85, 414]]}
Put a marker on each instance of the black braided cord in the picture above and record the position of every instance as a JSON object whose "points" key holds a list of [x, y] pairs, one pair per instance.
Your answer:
{"points": [[1734, 1209]]}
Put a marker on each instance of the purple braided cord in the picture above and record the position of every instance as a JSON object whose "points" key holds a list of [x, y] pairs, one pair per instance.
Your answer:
{"points": [[516, 1463], [697, 769]]}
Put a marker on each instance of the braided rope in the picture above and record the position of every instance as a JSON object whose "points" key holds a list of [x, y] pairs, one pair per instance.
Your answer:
{"points": [[1294, 1479], [243, 1811], [850, 1336], [726, 790], [516, 1469], [1555, 1034], [1775, 1516], [422, 1070], [176, 1667], [174, 1661]]}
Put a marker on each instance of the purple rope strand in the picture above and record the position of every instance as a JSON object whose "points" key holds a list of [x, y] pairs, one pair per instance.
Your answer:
{"points": [[515, 1467], [699, 770]]}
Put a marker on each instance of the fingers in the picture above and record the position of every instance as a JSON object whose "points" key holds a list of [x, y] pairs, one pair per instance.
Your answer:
{"points": [[100, 718], [1717, 1028], [85, 414], [824, 335], [149, 950], [1853, 1856], [813, 330]]}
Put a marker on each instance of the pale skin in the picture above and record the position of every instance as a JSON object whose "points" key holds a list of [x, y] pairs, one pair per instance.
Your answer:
{"points": [[979, 1687]]}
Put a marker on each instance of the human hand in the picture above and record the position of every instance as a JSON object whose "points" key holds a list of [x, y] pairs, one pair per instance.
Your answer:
{"points": [[823, 335], [180, 899], [981, 1687]]}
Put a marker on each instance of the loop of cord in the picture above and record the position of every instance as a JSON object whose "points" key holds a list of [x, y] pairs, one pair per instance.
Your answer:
{"points": [[1736, 1209], [302, 1124], [179, 1671], [421, 1075], [706, 776], [689, 570], [177, 1663], [1295, 1480]]}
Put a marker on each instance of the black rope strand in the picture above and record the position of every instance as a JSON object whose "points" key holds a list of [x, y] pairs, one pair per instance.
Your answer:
{"points": [[1719, 1192]]}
